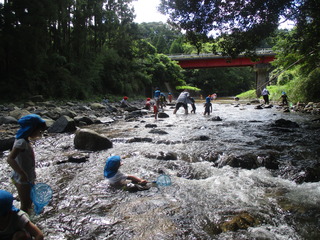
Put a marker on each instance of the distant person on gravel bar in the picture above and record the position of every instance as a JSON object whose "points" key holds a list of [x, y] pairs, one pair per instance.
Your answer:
{"points": [[284, 99], [22, 159], [124, 102], [265, 94], [119, 180]]}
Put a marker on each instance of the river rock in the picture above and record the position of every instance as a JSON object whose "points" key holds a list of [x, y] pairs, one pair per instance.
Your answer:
{"points": [[158, 131], [54, 114], [268, 106], [8, 120], [136, 139], [63, 124], [310, 174], [285, 123], [97, 106], [6, 143], [216, 118], [110, 109], [86, 139], [68, 113], [133, 114], [29, 104], [130, 108], [167, 156], [106, 120], [247, 161], [49, 121], [162, 115], [201, 138], [18, 113], [84, 119], [241, 221], [150, 125], [49, 104], [76, 158]]}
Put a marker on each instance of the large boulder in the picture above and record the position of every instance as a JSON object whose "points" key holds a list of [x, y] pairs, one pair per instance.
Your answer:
{"points": [[6, 143], [63, 124], [86, 139]]}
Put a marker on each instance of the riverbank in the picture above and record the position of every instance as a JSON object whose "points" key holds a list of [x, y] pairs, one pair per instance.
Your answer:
{"points": [[239, 164]]}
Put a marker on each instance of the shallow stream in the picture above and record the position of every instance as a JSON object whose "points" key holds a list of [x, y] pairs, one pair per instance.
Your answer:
{"points": [[205, 195]]}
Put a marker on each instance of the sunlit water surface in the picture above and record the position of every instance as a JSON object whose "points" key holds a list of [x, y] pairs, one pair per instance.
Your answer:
{"points": [[203, 194]]}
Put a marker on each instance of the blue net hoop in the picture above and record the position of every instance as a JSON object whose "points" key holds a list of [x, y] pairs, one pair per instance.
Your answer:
{"points": [[163, 180], [41, 195]]}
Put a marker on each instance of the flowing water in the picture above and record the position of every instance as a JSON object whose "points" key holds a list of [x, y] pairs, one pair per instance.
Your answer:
{"points": [[205, 194]]}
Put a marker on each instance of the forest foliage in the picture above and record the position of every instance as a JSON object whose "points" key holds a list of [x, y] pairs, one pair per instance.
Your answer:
{"points": [[78, 49], [235, 27]]}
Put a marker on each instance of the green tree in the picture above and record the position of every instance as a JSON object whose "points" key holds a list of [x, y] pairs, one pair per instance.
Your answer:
{"points": [[177, 46], [223, 81], [159, 34], [244, 24]]}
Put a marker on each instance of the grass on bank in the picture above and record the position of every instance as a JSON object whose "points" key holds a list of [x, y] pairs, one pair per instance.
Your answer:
{"points": [[275, 94], [294, 95]]}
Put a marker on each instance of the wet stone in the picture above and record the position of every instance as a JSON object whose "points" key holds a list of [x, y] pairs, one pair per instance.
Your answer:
{"points": [[158, 131]]}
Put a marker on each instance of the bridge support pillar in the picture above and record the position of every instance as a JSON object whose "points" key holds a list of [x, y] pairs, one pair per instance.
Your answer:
{"points": [[262, 76]]}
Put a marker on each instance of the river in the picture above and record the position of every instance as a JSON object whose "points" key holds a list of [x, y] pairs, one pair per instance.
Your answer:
{"points": [[206, 193]]}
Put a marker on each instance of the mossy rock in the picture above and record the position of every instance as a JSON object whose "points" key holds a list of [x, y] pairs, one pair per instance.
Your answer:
{"points": [[241, 221]]}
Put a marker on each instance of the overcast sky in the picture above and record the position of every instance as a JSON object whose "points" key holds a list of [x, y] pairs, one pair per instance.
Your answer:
{"points": [[146, 11]]}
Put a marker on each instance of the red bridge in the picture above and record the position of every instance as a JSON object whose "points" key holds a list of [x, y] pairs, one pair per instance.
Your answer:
{"points": [[211, 61], [261, 65]]}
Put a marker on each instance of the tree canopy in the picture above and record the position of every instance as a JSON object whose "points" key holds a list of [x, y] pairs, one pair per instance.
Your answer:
{"points": [[242, 24], [79, 48]]}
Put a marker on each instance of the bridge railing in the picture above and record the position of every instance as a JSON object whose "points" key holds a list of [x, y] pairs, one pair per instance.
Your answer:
{"points": [[259, 51]]}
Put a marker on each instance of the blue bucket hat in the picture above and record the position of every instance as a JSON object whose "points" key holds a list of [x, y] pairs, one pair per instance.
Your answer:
{"points": [[28, 124], [6, 200], [112, 166]]}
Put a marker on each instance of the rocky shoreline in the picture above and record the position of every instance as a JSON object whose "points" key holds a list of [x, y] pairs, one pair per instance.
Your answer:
{"points": [[68, 116]]}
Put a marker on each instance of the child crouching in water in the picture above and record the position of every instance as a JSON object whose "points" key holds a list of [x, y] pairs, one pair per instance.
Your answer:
{"points": [[119, 180], [14, 223]]}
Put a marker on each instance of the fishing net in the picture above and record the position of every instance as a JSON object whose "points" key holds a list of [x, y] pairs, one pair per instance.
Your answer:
{"points": [[41, 195], [163, 180]]}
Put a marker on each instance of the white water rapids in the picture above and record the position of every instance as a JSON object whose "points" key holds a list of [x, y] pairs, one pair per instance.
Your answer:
{"points": [[204, 194]]}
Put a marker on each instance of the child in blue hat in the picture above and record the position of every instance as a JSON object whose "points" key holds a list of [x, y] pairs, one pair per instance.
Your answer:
{"points": [[22, 159], [207, 106], [14, 223], [119, 180]]}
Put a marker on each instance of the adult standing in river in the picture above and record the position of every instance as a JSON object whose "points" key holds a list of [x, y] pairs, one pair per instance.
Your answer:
{"points": [[182, 100], [22, 159]]}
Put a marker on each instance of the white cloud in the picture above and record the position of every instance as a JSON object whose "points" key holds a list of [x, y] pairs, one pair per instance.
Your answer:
{"points": [[146, 11]]}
